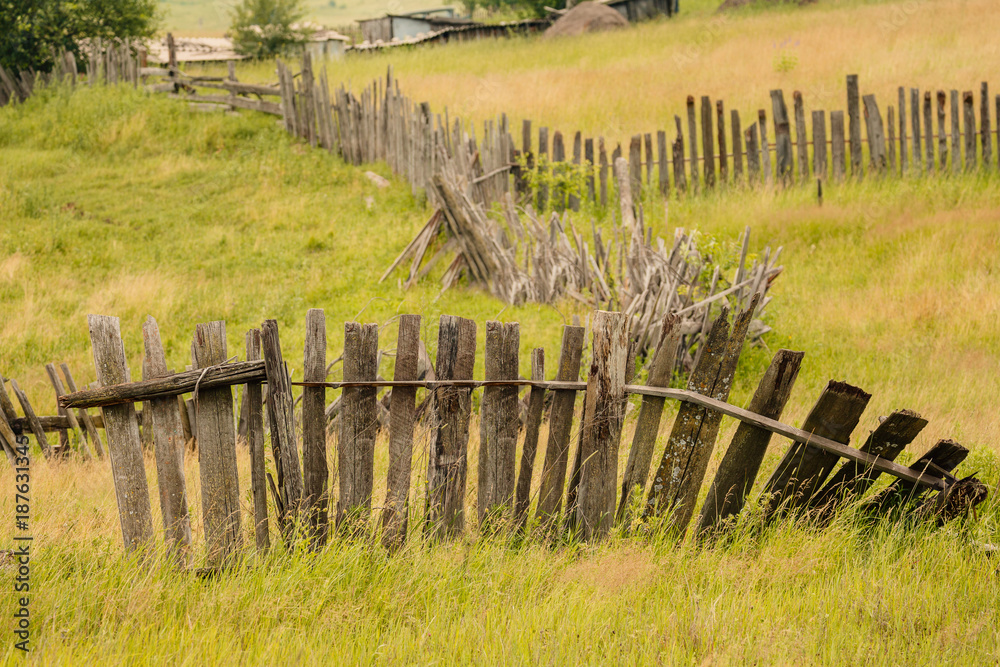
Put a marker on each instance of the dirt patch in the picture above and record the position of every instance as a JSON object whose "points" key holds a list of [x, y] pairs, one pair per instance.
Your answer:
{"points": [[586, 17]]}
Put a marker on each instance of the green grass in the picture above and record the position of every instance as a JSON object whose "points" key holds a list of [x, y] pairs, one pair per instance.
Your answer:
{"points": [[119, 203]]}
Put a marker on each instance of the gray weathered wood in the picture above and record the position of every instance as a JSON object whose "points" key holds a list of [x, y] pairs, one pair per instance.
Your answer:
{"points": [[928, 132], [942, 100], [737, 133], [707, 141], [876, 135], [447, 464], [648, 142], [553, 481], [802, 144], [890, 126], [122, 430], [533, 423], [57, 385], [603, 172], [220, 492], [588, 162], [402, 409], [741, 463], [623, 185], [315, 499], [33, 421], [969, 114], [253, 400], [238, 372], [765, 149], [854, 119], [693, 142], [604, 415], [837, 145], [647, 427], [635, 165], [944, 456], [168, 444], [754, 175], [805, 467], [498, 426], [720, 119], [282, 420], [83, 416], [985, 134], [662, 171], [902, 131], [542, 199], [915, 126], [558, 192], [819, 144], [782, 137], [677, 154], [852, 480], [956, 133], [358, 426]]}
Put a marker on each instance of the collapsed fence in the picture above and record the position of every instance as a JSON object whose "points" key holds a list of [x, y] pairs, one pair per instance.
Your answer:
{"points": [[546, 493]]}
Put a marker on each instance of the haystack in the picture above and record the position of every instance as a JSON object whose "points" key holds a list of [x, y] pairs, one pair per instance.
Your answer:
{"points": [[586, 17]]}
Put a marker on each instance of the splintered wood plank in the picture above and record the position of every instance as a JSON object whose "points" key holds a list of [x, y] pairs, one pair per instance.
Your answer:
{"points": [[168, 444], [402, 410], [536, 404], [604, 415], [447, 466], [553, 482], [741, 463], [804, 466], [358, 426], [944, 456], [499, 425], [852, 480], [253, 399], [315, 500], [282, 420], [647, 427], [122, 430], [220, 490]]}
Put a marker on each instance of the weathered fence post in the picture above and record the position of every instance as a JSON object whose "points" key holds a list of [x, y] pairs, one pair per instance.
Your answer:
{"points": [[928, 132], [623, 184], [720, 119], [536, 403], [358, 426], [253, 399], [560, 425], [956, 139], [876, 134], [984, 117], [837, 147], [402, 408], [902, 131], [753, 156], [543, 167], [819, 144], [498, 426], [800, 137], [122, 430], [677, 154], [57, 385], [738, 469], [315, 500], [588, 161], [220, 491], [854, 118], [635, 166], [662, 171], [707, 141], [282, 420], [83, 415], [29, 414], [648, 425], [782, 137], [737, 133], [604, 414], [942, 100], [168, 443], [452, 406], [970, 130], [603, 172], [804, 466], [765, 149], [693, 141], [915, 125]]}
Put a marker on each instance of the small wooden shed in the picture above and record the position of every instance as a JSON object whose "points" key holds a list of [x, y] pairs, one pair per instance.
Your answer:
{"points": [[326, 45]]}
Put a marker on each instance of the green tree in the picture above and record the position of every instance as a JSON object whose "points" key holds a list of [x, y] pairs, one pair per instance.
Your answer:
{"points": [[32, 30], [266, 28]]}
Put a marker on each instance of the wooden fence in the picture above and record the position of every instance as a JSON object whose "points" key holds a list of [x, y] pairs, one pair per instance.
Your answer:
{"points": [[585, 494]]}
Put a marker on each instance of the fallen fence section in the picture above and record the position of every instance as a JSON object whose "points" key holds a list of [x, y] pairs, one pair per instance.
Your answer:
{"points": [[587, 501]]}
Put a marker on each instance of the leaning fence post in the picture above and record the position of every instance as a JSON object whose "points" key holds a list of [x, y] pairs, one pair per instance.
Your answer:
{"points": [[83, 415], [358, 425], [402, 408], [738, 469], [499, 425], [782, 137], [29, 414], [282, 420], [122, 430], [57, 385], [560, 425], [804, 467], [536, 403], [876, 135], [220, 491], [647, 427], [447, 463], [604, 414], [168, 444], [253, 400]]}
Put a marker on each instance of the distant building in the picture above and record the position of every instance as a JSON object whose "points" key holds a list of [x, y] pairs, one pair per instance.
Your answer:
{"points": [[194, 49], [398, 27], [326, 45]]}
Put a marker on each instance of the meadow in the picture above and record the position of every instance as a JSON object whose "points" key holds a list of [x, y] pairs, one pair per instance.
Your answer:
{"points": [[116, 202]]}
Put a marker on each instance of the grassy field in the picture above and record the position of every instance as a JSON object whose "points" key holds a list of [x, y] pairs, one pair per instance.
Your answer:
{"points": [[124, 204]]}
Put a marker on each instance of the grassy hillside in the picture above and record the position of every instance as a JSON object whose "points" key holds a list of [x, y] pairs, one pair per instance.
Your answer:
{"points": [[119, 203]]}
